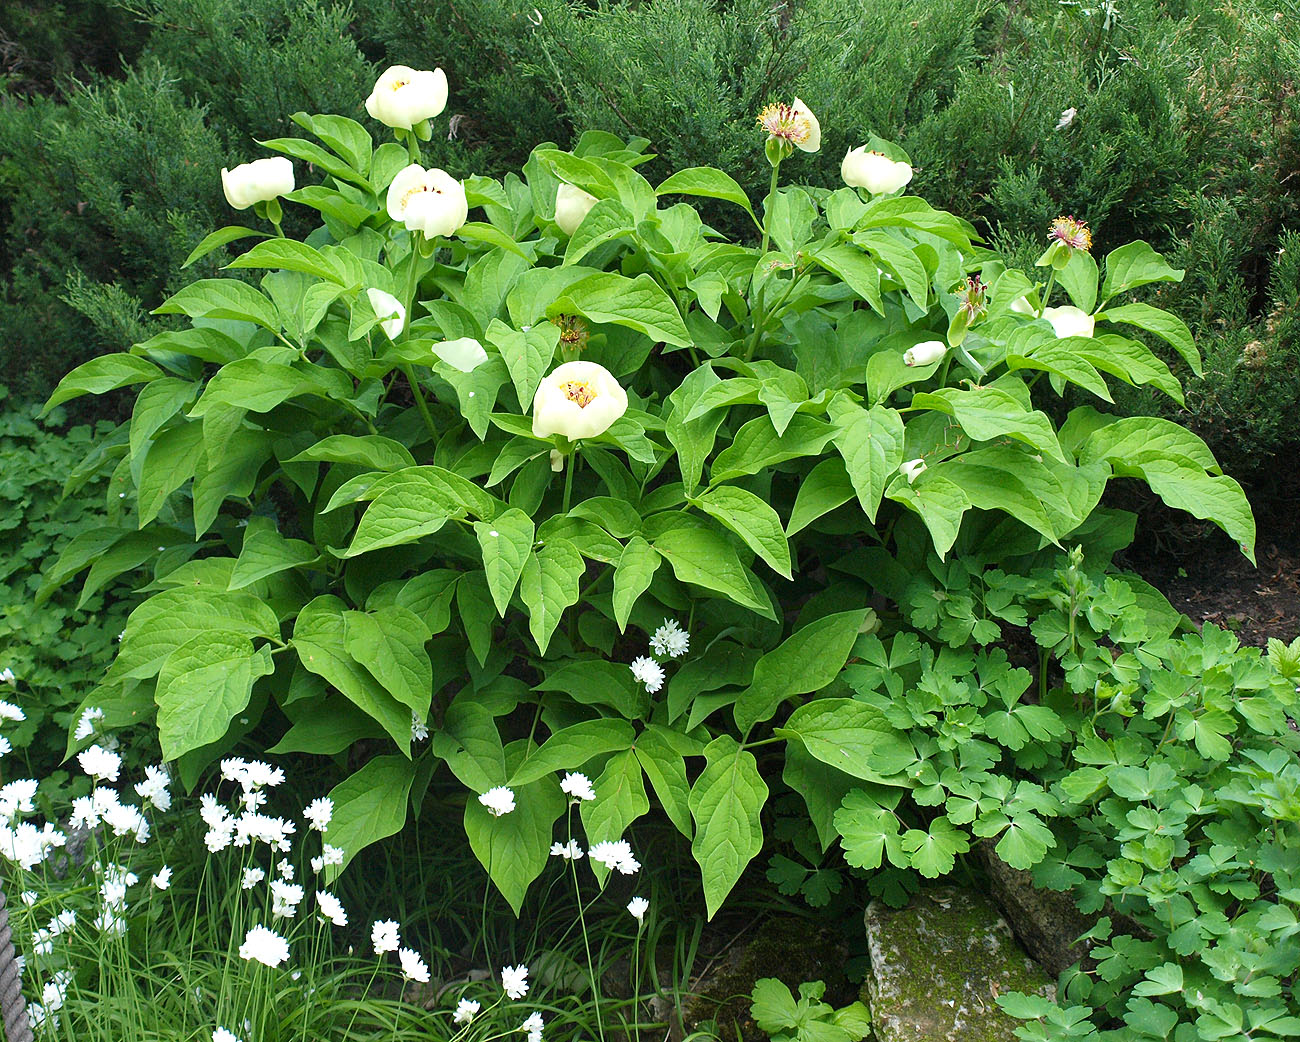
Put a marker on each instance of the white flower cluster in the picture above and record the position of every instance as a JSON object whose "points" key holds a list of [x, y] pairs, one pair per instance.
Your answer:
{"points": [[668, 641]]}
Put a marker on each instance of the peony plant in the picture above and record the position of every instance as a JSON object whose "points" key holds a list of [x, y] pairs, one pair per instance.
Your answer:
{"points": [[579, 484]]}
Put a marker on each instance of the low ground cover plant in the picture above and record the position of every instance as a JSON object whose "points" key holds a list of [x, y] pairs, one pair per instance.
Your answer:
{"points": [[582, 484]]}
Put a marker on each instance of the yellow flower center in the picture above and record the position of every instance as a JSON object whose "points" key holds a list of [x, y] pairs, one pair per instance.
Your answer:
{"points": [[785, 122], [579, 391], [397, 85]]}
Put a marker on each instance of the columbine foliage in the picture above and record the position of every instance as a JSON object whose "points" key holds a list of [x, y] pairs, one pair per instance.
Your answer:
{"points": [[360, 520]]}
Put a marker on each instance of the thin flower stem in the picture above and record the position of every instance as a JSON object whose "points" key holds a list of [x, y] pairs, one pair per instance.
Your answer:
{"points": [[1047, 292], [767, 212], [586, 943], [412, 146], [420, 403], [572, 465]]}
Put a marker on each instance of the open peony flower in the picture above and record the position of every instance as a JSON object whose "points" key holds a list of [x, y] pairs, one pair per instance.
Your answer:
{"points": [[388, 309], [572, 204], [792, 125], [257, 182], [925, 353], [577, 400], [874, 171], [402, 96], [429, 201], [1070, 321]]}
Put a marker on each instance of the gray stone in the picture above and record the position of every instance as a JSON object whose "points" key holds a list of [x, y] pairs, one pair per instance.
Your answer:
{"points": [[1047, 922], [938, 965]]}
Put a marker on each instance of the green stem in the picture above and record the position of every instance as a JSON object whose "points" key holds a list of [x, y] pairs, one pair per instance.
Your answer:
{"points": [[1047, 292], [412, 146], [570, 465], [767, 212], [420, 403]]}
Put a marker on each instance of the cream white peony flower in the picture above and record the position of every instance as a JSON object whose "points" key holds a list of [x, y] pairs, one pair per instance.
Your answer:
{"points": [[257, 182], [402, 96], [1070, 321], [429, 201], [465, 354], [912, 469], [926, 353], [572, 204], [388, 309], [577, 400], [792, 125], [874, 171]]}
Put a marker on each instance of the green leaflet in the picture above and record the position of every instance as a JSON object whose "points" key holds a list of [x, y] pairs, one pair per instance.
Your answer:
{"points": [[725, 802]]}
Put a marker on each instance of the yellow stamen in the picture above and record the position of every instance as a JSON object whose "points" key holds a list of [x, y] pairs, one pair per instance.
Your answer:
{"points": [[579, 391]]}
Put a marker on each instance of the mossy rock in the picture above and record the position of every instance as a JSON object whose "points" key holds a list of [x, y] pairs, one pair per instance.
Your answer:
{"points": [[938, 965]]}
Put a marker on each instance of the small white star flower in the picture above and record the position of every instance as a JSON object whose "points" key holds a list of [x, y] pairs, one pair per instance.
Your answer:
{"points": [[498, 801], [569, 851], [670, 640], [638, 906], [413, 967], [9, 711], [533, 1026], [264, 946], [222, 1035], [514, 981], [331, 908], [252, 876], [383, 934], [578, 786], [617, 854], [162, 879], [465, 1011], [86, 725], [648, 672], [99, 763], [419, 729], [318, 813]]}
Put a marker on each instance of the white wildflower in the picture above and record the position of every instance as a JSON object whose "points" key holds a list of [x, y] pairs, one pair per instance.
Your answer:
{"points": [[252, 876], [265, 946], [17, 796], [638, 906], [222, 1035], [285, 898], [413, 967], [533, 1026], [648, 672], [331, 908], [99, 763], [615, 855], [1067, 117], [419, 729], [86, 725], [9, 711], [162, 879], [28, 897], [498, 801], [383, 935], [578, 786], [670, 639], [318, 813], [465, 1011], [569, 851], [154, 788], [7, 676], [514, 981]]}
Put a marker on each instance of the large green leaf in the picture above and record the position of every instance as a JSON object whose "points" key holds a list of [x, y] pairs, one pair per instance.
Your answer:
{"points": [[389, 642], [171, 459], [156, 404], [939, 503], [368, 806], [410, 507], [988, 413], [806, 661], [470, 744], [855, 269], [757, 446], [506, 542], [1135, 264], [1168, 327], [693, 438], [202, 685], [753, 520], [549, 583], [707, 182], [368, 450], [320, 639], [726, 801], [665, 767], [100, 375], [167, 620], [571, 747], [527, 354], [607, 220], [515, 848], [701, 556], [266, 552], [291, 255], [826, 487], [871, 443], [639, 303], [852, 737], [632, 576], [222, 298], [597, 682], [620, 800]]}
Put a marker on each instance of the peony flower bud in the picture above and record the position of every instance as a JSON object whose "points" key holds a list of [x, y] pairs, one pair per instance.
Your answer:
{"points": [[257, 182], [1021, 306], [912, 469], [557, 461], [924, 354], [1069, 321], [572, 204], [429, 201], [403, 97], [388, 309], [578, 400], [874, 171]]}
